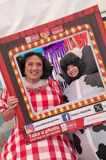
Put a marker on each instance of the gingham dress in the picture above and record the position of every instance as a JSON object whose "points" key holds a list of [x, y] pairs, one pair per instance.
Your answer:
{"points": [[52, 148]]}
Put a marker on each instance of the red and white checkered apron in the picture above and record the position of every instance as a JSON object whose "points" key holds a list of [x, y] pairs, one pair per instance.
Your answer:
{"points": [[52, 148]]}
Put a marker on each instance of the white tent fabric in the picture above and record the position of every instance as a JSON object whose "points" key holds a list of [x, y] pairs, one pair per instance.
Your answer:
{"points": [[18, 15], [102, 7]]}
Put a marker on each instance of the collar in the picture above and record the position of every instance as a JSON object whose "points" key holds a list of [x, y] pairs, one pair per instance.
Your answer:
{"points": [[36, 85]]}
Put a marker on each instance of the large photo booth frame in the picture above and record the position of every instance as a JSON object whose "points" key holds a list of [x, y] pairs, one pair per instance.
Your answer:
{"points": [[76, 31]]}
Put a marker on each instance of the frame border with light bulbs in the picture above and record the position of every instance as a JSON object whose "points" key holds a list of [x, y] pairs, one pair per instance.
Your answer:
{"points": [[81, 113]]}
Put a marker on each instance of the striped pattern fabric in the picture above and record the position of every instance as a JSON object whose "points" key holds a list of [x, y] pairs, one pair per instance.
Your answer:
{"points": [[52, 148]]}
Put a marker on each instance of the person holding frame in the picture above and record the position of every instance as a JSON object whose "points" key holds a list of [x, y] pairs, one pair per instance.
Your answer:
{"points": [[36, 70], [82, 72]]}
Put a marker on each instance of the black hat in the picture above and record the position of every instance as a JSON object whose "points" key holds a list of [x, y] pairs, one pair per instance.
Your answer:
{"points": [[68, 59]]}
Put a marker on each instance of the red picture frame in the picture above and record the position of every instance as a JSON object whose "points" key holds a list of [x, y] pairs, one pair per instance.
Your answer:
{"points": [[83, 27]]}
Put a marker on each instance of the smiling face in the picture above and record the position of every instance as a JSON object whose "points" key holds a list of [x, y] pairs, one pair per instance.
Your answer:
{"points": [[72, 71], [33, 68]]}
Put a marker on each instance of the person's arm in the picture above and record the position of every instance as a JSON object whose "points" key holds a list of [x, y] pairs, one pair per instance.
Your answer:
{"points": [[9, 113], [7, 105], [1, 119]]}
